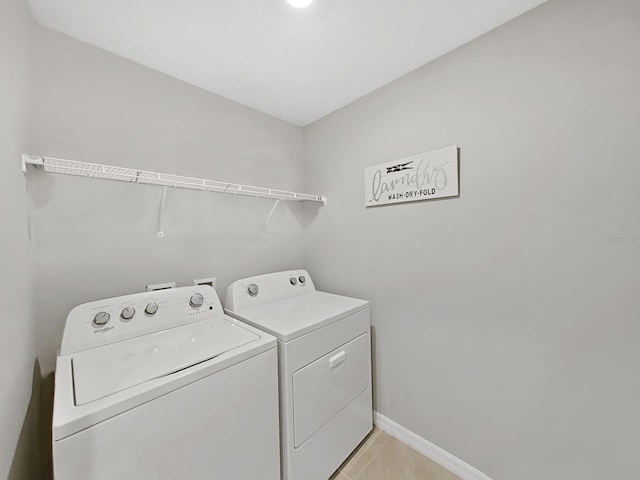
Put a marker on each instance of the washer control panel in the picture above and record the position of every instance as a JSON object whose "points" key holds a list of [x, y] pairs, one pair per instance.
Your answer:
{"points": [[116, 319], [254, 291]]}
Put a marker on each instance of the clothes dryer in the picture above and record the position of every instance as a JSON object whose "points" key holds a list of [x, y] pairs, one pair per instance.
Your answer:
{"points": [[324, 352]]}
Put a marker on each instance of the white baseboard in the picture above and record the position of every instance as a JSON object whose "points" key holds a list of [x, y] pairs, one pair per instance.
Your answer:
{"points": [[428, 449]]}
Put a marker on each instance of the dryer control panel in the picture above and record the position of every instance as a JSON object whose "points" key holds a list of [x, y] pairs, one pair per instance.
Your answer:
{"points": [[254, 291], [116, 319]]}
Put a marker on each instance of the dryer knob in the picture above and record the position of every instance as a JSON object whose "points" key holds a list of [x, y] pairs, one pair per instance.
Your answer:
{"points": [[151, 309], [128, 313], [196, 300], [252, 289], [101, 319], [293, 280], [302, 279]]}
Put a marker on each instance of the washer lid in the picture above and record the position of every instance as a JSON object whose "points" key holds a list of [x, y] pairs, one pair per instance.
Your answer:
{"points": [[292, 317], [106, 370]]}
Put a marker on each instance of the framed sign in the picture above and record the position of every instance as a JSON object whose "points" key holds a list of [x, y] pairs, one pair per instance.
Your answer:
{"points": [[424, 176]]}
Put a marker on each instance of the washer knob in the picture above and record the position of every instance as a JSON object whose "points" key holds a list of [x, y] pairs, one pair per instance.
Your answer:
{"points": [[151, 309], [196, 300], [128, 313], [101, 319], [302, 279], [252, 289], [293, 280]]}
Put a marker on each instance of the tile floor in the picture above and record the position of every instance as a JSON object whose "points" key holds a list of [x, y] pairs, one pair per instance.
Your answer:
{"points": [[383, 457]]}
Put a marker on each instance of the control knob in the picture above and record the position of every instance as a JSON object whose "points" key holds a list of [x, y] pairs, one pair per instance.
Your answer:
{"points": [[128, 313], [101, 319], [252, 289], [293, 280], [196, 300], [302, 279], [151, 309]]}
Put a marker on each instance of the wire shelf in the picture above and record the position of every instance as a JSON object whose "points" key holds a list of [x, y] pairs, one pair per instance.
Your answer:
{"points": [[122, 174]]}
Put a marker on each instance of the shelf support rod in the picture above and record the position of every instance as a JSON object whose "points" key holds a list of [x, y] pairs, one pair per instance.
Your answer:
{"points": [[266, 223], [163, 201]]}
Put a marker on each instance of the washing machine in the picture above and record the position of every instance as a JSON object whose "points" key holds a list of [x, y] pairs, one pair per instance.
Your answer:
{"points": [[163, 386], [324, 352]]}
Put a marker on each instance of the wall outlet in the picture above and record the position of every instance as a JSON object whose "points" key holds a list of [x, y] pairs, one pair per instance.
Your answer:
{"points": [[206, 281], [160, 286]]}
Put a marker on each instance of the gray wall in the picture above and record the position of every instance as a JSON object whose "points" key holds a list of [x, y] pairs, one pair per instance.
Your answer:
{"points": [[19, 401], [506, 320], [98, 239]]}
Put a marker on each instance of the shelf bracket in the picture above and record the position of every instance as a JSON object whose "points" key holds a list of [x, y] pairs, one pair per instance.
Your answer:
{"points": [[31, 160], [266, 222], [163, 201]]}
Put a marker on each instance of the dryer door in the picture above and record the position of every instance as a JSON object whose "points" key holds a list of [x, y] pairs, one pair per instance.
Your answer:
{"points": [[325, 387]]}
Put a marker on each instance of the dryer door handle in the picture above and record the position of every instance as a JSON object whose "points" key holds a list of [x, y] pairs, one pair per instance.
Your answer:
{"points": [[337, 359]]}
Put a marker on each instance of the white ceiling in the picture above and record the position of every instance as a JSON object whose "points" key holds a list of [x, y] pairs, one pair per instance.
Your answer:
{"points": [[295, 64]]}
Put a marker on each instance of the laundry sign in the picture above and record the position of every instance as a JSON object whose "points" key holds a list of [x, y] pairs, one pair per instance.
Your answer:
{"points": [[424, 176]]}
